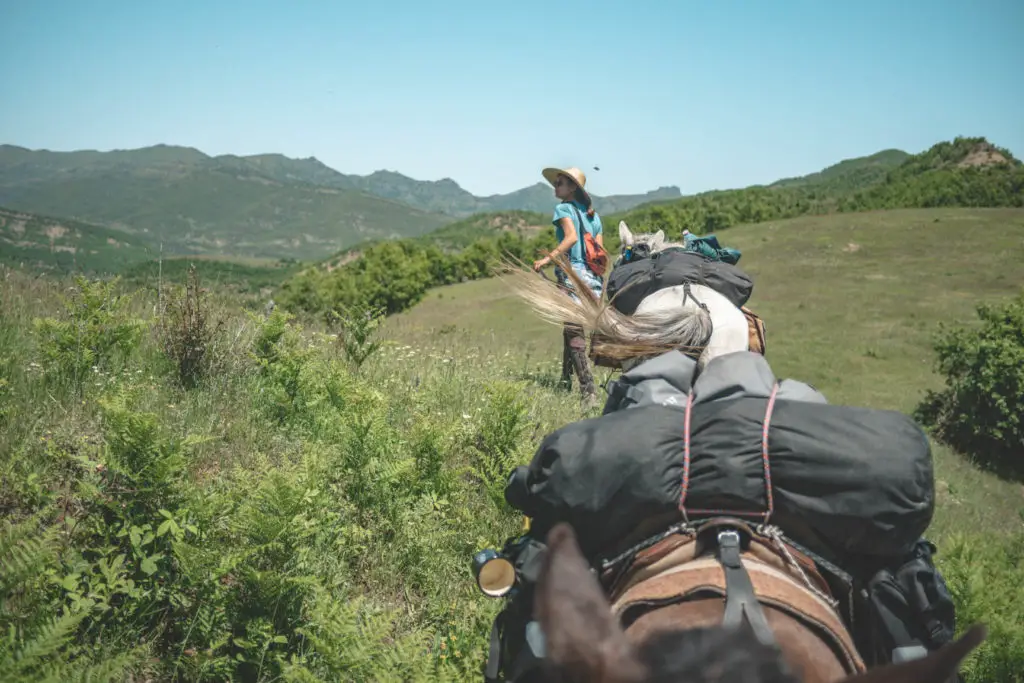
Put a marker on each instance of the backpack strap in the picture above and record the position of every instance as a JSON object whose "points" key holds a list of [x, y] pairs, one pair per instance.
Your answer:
{"points": [[579, 237], [579, 215]]}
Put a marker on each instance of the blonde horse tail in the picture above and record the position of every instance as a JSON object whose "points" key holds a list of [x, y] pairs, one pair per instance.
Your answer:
{"points": [[616, 336]]}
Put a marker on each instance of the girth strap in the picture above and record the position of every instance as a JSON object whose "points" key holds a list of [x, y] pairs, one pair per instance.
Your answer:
{"points": [[740, 598]]}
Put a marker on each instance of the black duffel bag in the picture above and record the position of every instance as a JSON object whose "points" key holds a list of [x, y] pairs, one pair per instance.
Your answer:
{"points": [[844, 481], [670, 268]]}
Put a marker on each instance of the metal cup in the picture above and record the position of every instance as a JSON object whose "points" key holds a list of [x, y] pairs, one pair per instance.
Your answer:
{"points": [[495, 574]]}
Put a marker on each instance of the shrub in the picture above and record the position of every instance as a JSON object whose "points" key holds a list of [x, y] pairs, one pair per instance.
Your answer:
{"points": [[185, 332], [358, 327], [981, 409], [94, 332], [500, 443]]}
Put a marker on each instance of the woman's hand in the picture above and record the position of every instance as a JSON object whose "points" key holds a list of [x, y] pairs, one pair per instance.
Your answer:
{"points": [[537, 265]]}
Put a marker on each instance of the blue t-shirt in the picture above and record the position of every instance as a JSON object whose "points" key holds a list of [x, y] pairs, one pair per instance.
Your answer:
{"points": [[593, 226]]}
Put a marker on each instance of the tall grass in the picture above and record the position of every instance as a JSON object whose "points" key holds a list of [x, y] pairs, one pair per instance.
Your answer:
{"points": [[283, 515]]}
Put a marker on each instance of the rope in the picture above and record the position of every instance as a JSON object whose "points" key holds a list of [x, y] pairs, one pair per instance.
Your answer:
{"points": [[775, 534]]}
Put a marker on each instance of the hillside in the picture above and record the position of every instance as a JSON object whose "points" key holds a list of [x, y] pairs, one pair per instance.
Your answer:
{"points": [[61, 245], [969, 172], [851, 174], [46, 171], [204, 208], [842, 295], [847, 176], [304, 513], [274, 207], [937, 177]]}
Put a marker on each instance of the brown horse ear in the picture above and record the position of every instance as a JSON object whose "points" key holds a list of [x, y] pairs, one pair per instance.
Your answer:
{"points": [[583, 640], [938, 667]]}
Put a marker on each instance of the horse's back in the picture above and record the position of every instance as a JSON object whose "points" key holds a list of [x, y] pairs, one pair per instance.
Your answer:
{"points": [[676, 584], [722, 311], [730, 331]]}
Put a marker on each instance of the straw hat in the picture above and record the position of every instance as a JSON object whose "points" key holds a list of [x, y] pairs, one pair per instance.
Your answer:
{"points": [[551, 175]]}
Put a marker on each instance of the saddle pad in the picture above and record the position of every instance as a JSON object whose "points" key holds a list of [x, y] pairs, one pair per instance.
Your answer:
{"points": [[774, 588]]}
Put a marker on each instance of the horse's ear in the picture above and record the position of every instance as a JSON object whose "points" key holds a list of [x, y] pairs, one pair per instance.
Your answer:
{"points": [[938, 667], [583, 640], [625, 236]]}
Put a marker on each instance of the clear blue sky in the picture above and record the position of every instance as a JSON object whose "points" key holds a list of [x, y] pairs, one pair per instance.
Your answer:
{"points": [[703, 95]]}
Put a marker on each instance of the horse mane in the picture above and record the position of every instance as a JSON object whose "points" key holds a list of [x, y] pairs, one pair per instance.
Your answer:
{"points": [[617, 336]]}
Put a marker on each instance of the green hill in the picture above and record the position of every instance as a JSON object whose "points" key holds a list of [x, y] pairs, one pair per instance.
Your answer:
{"points": [[38, 179], [60, 245], [35, 243], [271, 206], [866, 288], [199, 205], [964, 172], [849, 174]]}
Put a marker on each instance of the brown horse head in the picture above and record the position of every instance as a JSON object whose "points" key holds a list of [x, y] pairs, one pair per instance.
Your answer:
{"points": [[585, 641]]}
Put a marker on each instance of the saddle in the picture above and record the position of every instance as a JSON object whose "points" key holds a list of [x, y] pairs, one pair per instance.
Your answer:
{"points": [[678, 568]]}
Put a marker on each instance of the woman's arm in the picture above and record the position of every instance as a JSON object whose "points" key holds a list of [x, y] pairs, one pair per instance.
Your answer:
{"points": [[564, 246]]}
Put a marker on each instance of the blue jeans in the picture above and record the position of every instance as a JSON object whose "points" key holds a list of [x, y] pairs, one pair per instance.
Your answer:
{"points": [[595, 283]]}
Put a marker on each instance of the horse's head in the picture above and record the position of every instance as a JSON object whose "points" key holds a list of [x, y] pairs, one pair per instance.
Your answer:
{"points": [[586, 643], [641, 245]]}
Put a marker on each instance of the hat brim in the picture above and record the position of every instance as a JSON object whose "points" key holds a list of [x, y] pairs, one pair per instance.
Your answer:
{"points": [[551, 175]]}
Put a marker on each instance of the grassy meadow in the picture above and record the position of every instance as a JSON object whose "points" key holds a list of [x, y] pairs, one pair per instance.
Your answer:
{"points": [[273, 507], [851, 304]]}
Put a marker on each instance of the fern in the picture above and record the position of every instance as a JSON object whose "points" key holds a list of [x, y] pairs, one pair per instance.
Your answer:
{"points": [[350, 640], [24, 553], [985, 579], [45, 658], [37, 646], [36, 657]]}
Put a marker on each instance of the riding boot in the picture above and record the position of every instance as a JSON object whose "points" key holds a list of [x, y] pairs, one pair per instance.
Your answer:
{"points": [[578, 344], [566, 381]]}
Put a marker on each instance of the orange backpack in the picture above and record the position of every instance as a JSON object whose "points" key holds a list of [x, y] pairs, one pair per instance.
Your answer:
{"points": [[594, 255]]}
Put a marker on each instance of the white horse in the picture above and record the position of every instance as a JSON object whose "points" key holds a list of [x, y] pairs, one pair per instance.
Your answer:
{"points": [[692, 318], [729, 329]]}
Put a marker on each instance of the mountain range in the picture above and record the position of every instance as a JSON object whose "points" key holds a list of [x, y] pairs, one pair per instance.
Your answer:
{"points": [[261, 205], [179, 200]]}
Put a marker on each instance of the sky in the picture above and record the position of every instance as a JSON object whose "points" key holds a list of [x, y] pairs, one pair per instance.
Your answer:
{"points": [[702, 95]]}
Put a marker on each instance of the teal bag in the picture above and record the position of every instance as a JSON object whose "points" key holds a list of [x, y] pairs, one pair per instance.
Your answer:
{"points": [[709, 246]]}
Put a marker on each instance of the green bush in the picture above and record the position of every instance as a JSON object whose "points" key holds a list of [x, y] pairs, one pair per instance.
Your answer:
{"points": [[95, 331], [981, 409], [357, 327], [395, 275], [185, 331]]}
